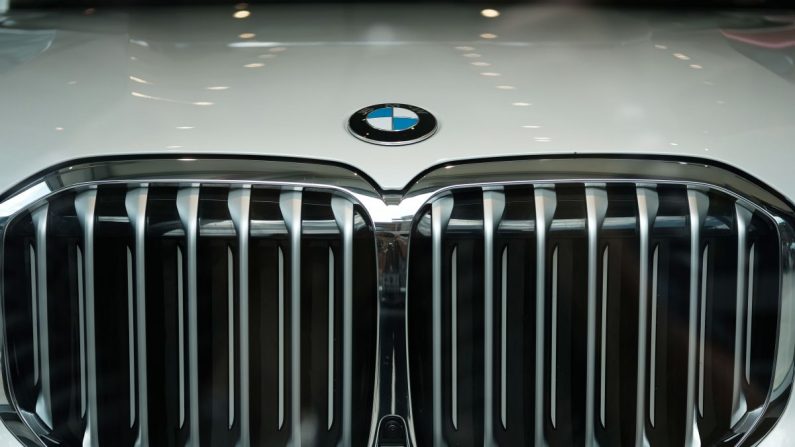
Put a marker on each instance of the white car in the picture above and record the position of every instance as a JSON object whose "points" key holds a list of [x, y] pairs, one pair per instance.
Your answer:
{"points": [[396, 225]]}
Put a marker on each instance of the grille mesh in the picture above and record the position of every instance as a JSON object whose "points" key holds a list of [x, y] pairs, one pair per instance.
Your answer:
{"points": [[161, 314], [575, 313]]}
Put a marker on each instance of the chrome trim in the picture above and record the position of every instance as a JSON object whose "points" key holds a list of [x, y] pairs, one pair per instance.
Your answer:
{"points": [[188, 208], [343, 214], [290, 203], [493, 207], [135, 204], [648, 204], [698, 203], [440, 216], [239, 204], [744, 284], [85, 205], [596, 209], [41, 318], [545, 203]]}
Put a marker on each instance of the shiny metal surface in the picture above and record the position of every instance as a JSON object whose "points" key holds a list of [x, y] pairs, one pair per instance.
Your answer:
{"points": [[85, 205], [545, 202], [188, 208], [596, 206], [239, 209], [440, 216], [290, 205], [648, 203], [698, 203], [136, 210]]}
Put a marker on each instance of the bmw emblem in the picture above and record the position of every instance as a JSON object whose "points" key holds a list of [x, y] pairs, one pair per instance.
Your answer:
{"points": [[392, 124]]}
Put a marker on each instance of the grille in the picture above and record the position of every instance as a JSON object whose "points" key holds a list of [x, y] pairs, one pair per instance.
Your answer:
{"points": [[591, 313], [173, 314], [250, 302]]}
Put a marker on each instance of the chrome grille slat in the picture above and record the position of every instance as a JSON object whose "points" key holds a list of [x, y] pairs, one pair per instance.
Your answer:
{"points": [[545, 204], [136, 210], [596, 205], [440, 216], [744, 285], [493, 207], [290, 204], [698, 203], [188, 208], [239, 204], [648, 204], [85, 205], [343, 214], [42, 344]]}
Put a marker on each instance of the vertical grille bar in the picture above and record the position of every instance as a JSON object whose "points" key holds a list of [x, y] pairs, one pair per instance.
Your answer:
{"points": [[85, 206], [493, 207], [343, 214], [41, 312], [648, 204], [440, 216], [739, 404], [290, 203], [698, 203], [545, 205], [239, 209], [596, 208], [135, 204], [188, 209]]}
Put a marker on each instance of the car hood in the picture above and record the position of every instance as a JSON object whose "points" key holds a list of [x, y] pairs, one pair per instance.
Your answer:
{"points": [[536, 80]]}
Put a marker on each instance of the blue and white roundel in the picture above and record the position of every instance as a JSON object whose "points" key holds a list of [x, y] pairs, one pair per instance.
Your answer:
{"points": [[392, 119]]}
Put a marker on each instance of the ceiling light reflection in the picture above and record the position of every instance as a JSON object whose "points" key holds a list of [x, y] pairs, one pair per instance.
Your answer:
{"points": [[254, 65], [490, 13], [139, 80], [218, 87], [506, 87], [247, 36], [242, 14], [490, 74], [488, 36], [521, 104]]}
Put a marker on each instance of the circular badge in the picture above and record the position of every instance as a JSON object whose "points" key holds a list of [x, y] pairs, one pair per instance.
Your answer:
{"points": [[392, 124]]}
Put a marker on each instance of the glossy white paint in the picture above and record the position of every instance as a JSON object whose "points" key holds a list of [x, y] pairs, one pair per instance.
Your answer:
{"points": [[283, 80]]}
